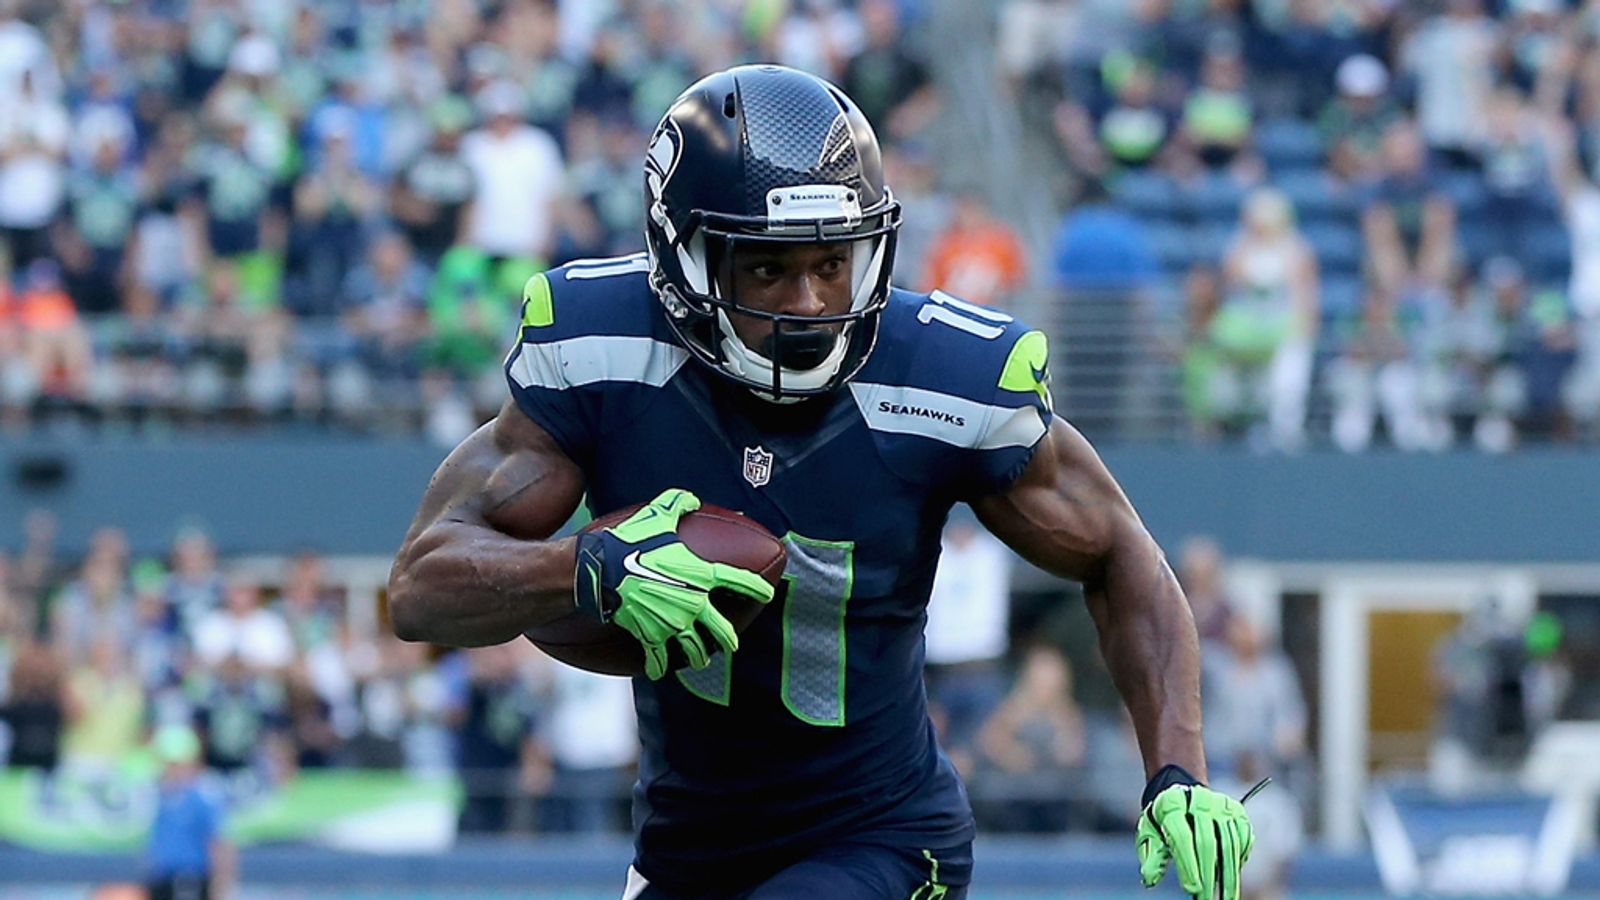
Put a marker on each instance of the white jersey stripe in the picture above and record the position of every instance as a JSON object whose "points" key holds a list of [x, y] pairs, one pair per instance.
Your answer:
{"points": [[557, 365], [944, 417]]}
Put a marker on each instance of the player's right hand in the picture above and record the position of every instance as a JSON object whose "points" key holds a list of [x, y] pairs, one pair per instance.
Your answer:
{"points": [[639, 575]]}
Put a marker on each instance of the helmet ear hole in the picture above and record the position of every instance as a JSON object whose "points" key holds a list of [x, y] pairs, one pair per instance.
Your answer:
{"points": [[727, 105]]}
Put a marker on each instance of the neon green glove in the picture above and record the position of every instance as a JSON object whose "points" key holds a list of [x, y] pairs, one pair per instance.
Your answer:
{"points": [[1206, 833], [640, 576]]}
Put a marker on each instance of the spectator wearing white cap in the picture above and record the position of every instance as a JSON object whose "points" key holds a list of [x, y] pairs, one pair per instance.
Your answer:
{"points": [[1353, 122], [518, 171]]}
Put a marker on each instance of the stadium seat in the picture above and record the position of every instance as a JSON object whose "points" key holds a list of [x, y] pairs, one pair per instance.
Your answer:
{"points": [[1215, 199], [1286, 144], [1173, 246], [1549, 254], [1317, 196], [1148, 195], [1181, 247], [1466, 190], [1341, 297], [1478, 240], [1338, 247]]}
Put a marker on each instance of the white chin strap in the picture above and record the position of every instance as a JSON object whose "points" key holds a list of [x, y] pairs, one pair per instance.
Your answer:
{"points": [[751, 366]]}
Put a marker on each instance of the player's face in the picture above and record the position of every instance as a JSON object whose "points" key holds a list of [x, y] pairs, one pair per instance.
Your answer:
{"points": [[791, 279]]}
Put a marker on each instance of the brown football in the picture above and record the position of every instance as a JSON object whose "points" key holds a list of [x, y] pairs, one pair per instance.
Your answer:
{"points": [[713, 533]]}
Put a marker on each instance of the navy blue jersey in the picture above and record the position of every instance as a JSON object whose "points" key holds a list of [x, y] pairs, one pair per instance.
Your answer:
{"points": [[817, 728]]}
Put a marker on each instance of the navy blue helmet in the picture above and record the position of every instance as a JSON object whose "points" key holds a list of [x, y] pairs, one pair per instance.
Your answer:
{"points": [[767, 154]]}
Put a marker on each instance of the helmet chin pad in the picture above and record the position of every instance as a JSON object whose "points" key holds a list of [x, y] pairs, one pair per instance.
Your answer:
{"points": [[803, 349]]}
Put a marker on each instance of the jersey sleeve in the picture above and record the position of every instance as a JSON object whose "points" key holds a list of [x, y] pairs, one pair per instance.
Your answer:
{"points": [[1015, 416], [539, 381]]}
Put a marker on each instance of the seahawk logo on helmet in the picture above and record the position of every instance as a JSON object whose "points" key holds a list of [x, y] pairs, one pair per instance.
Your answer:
{"points": [[767, 154]]}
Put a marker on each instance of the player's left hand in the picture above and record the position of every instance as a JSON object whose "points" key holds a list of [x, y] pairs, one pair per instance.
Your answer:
{"points": [[1206, 833]]}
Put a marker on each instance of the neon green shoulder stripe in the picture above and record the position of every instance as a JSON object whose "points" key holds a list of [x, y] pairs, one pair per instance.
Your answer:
{"points": [[537, 309], [1027, 368]]}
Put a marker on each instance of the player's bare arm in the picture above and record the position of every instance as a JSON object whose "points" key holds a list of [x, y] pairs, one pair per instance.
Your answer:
{"points": [[476, 567], [1067, 515]]}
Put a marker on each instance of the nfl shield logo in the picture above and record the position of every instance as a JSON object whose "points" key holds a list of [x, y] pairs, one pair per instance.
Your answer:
{"points": [[757, 466]]}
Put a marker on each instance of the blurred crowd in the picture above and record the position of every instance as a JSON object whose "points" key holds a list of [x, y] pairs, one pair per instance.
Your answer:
{"points": [[235, 211], [280, 677], [1041, 751], [1379, 217]]}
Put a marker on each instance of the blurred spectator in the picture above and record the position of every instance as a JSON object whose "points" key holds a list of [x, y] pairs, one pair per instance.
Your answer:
{"points": [[1266, 328], [592, 745], [1579, 199], [195, 587], [430, 195], [1409, 224], [1101, 247], [1513, 161], [37, 564], [1259, 719], [471, 308], [1130, 134], [1217, 116], [1452, 57], [1354, 122], [967, 633], [242, 630], [166, 242], [1481, 722], [1034, 742], [431, 695], [1457, 341], [910, 168], [382, 712], [579, 233], [98, 226], [977, 257], [604, 159], [54, 342], [159, 651], [34, 710], [1537, 350], [1200, 573], [105, 706], [1200, 359], [324, 652], [384, 306], [498, 757], [95, 604], [237, 210], [886, 79], [1377, 371], [332, 206], [243, 716], [26, 61], [517, 172], [34, 132], [188, 854]]}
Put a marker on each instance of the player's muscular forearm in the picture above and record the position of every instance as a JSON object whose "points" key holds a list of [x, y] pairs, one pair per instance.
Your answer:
{"points": [[1067, 515], [475, 568]]}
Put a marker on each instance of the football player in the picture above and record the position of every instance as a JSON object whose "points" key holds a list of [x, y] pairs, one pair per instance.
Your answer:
{"points": [[757, 358]]}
